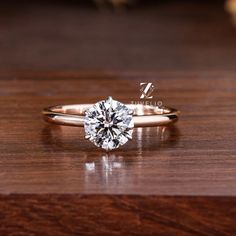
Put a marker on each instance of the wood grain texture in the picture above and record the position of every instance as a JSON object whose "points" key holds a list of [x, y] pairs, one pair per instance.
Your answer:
{"points": [[165, 35], [116, 215], [177, 180], [197, 156]]}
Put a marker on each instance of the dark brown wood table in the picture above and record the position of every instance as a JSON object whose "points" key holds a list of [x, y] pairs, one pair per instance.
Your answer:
{"points": [[177, 180]]}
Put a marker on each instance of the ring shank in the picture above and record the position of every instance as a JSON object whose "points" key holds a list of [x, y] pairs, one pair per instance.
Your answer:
{"points": [[143, 115]]}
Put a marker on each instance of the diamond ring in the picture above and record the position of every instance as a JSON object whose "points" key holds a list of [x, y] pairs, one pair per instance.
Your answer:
{"points": [[109, 123]]}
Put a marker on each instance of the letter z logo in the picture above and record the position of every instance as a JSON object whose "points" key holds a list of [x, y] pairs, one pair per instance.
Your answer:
{"points": [[146, 90]]}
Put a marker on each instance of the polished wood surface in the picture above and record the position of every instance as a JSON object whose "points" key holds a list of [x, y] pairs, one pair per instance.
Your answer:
{"points": [[195, 157], [176, 180], [116, 215], [162, 35]]}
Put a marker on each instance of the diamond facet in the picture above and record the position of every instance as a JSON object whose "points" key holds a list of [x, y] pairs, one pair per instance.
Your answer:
{"points": [[108, 124]]}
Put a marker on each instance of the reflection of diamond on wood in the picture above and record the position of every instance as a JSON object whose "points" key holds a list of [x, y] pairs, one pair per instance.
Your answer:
{"points": [[108, 124]]}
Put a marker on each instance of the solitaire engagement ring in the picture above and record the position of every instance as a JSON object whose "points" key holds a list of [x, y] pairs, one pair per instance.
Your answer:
{"points": [[109, 123]]}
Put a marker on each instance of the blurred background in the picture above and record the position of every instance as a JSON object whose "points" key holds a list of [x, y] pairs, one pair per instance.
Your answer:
{"points": [[163, 35]]}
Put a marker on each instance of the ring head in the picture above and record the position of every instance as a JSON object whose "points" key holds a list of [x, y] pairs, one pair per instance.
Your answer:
{"points": [[108, 124]]}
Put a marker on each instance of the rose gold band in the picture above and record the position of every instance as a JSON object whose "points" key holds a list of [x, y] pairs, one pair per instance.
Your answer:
{"points": [[143, 115]]}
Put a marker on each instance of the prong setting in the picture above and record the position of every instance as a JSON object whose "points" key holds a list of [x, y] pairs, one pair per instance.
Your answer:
{"points": [[109, 124]]}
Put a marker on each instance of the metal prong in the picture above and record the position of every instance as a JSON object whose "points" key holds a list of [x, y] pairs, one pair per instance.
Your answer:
{"points": [[109, 98]]}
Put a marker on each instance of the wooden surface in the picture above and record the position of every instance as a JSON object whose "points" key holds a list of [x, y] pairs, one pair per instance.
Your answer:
{"points": [[154, 182], [169, 36], [116, 215], [195, 157], [178, 180]]}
